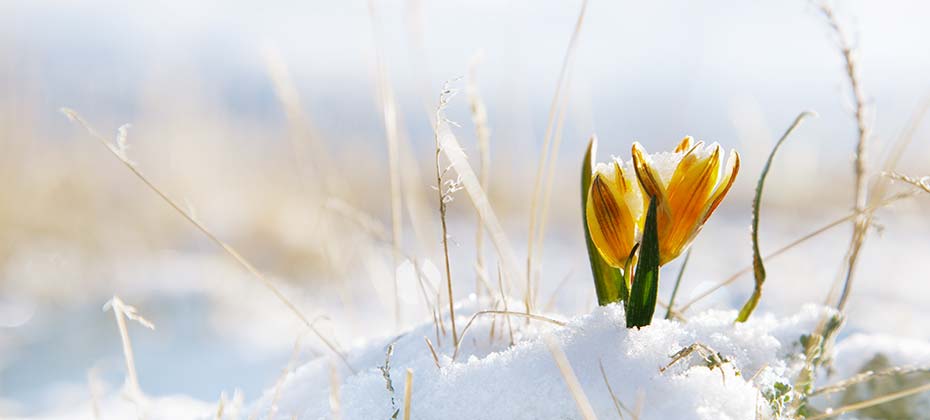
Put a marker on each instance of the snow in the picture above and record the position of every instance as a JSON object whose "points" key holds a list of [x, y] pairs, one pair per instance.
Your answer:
{"points": [[488, 380]]}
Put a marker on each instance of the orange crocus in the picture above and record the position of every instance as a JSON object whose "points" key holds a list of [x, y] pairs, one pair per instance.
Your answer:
{"points": [[688, 194], [689, 183]]}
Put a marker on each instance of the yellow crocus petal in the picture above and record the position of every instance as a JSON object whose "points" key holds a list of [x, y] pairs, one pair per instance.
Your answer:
{"points": [[729, 176], [689, 192], [685, 145], [649, 178], [611, 222]]}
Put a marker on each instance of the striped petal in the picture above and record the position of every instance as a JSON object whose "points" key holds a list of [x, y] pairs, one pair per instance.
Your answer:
{"points": [[729, 176], [613, 213], [689, 193]]}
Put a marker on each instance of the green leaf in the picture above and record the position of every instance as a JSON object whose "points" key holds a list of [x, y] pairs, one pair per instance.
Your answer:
{"points": [[645, 288], [608, 281], [758, 268]]}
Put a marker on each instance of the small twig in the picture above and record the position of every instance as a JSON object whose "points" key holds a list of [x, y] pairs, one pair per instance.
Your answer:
{"points": [[520, 314], [432, 351], [120, 312]]}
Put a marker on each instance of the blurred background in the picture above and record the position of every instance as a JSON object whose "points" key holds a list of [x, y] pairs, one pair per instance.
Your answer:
{"points": [[264, 119]]}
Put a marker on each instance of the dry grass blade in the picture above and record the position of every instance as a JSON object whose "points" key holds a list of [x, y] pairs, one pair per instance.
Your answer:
{"points": [[389, 112], [301, 127], [500, 285], [245, 264], [584, 406], [335, 406], [479, 116], [95, 388], [871, 402], [681, 272], [469, 181], [617, 404], [492, 312], [867, 376], [279, 384], [432, 351], [860, 168], [922, 183], [816, 232], [121, 311], [445, 190], [408, 393], [548, 156], [897, 149]]}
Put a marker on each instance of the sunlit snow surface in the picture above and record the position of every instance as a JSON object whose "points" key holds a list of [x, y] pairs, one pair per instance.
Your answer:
{"points": [[491, 381]]}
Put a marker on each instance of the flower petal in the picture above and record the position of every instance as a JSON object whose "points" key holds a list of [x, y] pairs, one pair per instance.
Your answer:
{"points": [[610, 221], [689, 193], [649, 178], [729, 176], [685, 145]]}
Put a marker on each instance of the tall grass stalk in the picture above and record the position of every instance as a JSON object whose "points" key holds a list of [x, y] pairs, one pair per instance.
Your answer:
{"points": [[408, 393], [860, 167], [571, 380], [479, 116], [445, 190], [121, 311], [389, 114], [500, 285], [119, 151], [279, 384], [469, 181], [549, 151]]}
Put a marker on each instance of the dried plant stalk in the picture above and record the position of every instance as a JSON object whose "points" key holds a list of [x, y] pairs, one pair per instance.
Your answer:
{"points": [[389, 113], [444, 191], [119, 151], [479, 116], [584, 405], [860, 168], [408, 393], [556, 113], [121, 311]]}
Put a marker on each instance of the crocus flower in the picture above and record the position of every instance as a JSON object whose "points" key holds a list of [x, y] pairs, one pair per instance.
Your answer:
{"points": [[615, 211], [688, 184]]}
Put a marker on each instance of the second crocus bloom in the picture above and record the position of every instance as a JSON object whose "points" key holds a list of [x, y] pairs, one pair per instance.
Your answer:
{"points": [[688, 184]]}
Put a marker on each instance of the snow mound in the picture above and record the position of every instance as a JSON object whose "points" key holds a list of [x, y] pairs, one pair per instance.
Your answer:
{"points": [[492, 380]]}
